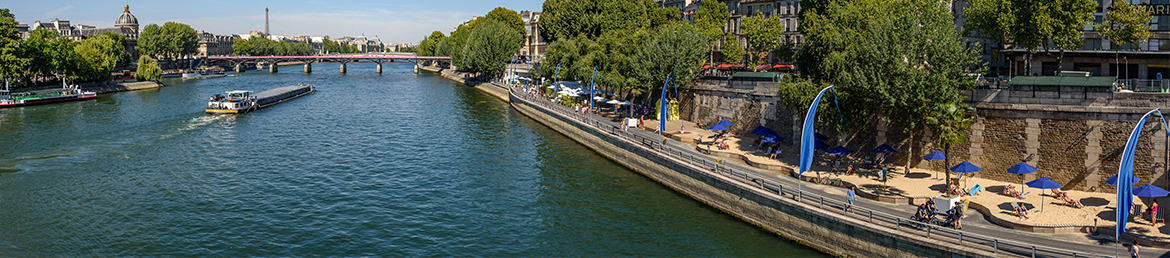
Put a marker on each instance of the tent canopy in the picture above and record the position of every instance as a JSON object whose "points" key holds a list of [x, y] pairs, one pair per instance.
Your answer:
{"points": [[762, 131]]}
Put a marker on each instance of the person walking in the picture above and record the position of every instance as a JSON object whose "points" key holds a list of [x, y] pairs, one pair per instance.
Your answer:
{"points": [[852, 191], [1133, 250]]}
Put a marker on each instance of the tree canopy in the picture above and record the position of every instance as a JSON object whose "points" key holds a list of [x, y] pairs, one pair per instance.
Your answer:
{"points": [[261, 46], [172, 40], [508, 17], [896, 64], [764, 35], [1125, 23], [148, 69], [490, 46], [677, 49], [428, 44], [99, 55], [564, 19], [11, 63]]}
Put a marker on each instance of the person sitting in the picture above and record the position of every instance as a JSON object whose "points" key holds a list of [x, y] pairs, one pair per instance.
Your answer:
{"points": [[778, 154], [921, 214], [954, 189], [1020, 210], [1070, 201], [931, 209], [868, 162]]}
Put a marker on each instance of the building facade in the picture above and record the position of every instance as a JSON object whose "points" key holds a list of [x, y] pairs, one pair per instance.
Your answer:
{"points": [[126, 25], [215, 45], [534, 46]]}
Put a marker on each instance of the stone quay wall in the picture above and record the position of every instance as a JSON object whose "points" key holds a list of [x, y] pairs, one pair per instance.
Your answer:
{"points": [[1078, 146], [831, 233]]}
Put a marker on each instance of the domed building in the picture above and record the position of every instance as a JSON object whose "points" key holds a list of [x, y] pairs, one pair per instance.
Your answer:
{"points": [[127, 20]]}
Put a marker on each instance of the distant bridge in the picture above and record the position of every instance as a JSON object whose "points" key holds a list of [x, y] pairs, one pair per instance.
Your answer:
{"points": [[238, 61]]}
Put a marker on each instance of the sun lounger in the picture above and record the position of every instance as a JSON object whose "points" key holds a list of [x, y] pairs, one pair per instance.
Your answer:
{"points": [[1159, 216], [1016, 211], [975, 189], [1070, 201]]}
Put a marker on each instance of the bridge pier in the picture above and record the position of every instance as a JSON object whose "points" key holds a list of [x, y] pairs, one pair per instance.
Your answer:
{"points": [[272, 67], [342, 67], [379, 68], [308, 68], [240, 68], [415, 68]]}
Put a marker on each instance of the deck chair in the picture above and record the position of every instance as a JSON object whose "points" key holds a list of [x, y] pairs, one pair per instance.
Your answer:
{"points": [[1016, 210], [1056, 192], [974, 190], [1070, 201]]}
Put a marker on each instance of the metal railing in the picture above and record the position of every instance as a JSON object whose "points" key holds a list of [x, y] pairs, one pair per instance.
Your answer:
{"points": [[776, 191], [1145, 85]]}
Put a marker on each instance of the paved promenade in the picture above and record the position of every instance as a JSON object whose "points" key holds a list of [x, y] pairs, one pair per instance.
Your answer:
{"points": [[977, 223]]}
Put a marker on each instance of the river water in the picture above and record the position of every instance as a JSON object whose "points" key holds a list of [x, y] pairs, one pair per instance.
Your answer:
{"points": [[372, 165]]}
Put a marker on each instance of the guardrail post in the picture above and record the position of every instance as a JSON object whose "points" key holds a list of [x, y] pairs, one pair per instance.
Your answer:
{"points": [[960, 238], [823, 203], [870, 216], [898, 224], [928, 227], [1034, 248], [780, 189], [995, 246]]}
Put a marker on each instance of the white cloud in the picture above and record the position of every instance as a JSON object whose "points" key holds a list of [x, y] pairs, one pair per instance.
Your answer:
{"points": [[55, 13]]}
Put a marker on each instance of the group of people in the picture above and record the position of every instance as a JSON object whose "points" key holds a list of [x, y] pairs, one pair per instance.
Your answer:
{"points": [[927, 211], [1010, 190]]}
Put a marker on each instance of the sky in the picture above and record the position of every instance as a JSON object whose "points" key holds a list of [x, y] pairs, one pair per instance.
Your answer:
{"points": [[392, 21]]}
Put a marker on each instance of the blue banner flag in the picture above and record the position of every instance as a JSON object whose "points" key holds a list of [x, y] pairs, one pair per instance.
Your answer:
{"points": [[663, 108], [1125, 172], [592, 87], [556, 80], [807, 136]]}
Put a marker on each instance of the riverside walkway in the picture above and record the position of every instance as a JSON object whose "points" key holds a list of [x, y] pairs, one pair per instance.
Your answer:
{"points": [[978, 232]]}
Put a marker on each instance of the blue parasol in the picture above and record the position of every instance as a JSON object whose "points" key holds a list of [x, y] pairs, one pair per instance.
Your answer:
{"points": [[884, 148], [839, 150], [1113, 180], [965, 167], [1044, 183], [936, 155], [1022, 168], [773, 138], [722, 125], [1150, 191], [819, 145], [762, 131], [820, 137]]}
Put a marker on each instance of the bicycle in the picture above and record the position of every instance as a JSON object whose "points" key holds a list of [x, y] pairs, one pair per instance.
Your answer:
{"points": [[831, 180]]}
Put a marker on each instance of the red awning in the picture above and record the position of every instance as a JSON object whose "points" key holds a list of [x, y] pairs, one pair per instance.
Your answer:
{"points": [[724, 67], [762, 67], [782, 66], [705, 67]]}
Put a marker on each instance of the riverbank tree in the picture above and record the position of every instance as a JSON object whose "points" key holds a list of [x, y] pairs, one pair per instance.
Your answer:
{"points": [[490, 46], [171, 40], [148, 69], [99, 55], [894, 60], [260, 46], [11, 63], [427, 46]]}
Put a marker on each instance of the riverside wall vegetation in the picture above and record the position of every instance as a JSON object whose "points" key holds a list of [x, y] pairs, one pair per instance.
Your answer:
{"points": [[759, 204]]}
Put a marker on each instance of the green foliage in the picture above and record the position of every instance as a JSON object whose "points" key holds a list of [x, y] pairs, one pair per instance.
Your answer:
{"points": [[564, 19], [453, 46], [895, 64], [241, 47], [48, 53], [148, 69], [1125, 23], [733, 53], [1051, 24], [98, 56], [676, 49], [508, 17], [490, 46], [11, 63], [949, 122], [710, 19], [428, 45], [259, 46], [764, 35], [172, 40]]}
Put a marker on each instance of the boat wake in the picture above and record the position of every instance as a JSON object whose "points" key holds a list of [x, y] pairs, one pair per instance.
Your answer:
{"points": [[194, 123]]}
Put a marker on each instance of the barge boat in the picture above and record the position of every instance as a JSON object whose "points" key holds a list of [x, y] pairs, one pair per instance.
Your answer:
{"points": [[243, 101], [66, 93]]}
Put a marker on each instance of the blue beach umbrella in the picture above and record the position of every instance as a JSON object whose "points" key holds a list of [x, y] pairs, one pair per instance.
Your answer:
{"points": [[722, 125], [819, 145], [965, 167], [1113, 180], [839, 150], [1150, 191], [884, 148], [1045, 183], [762, 131], [1022, 168], [773, 138], [820, 137], [936, 155]]}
